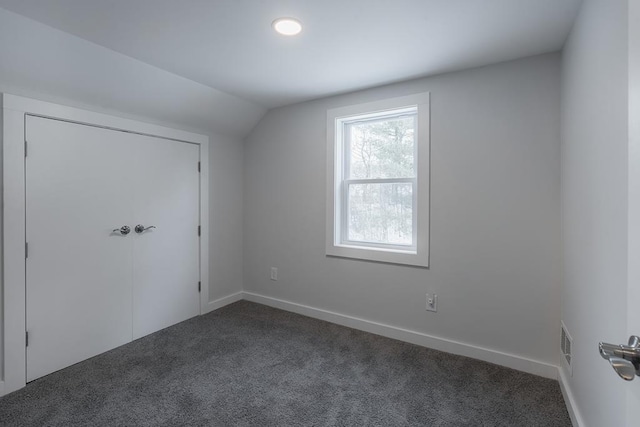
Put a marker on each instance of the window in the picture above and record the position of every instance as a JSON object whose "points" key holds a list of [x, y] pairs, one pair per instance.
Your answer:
{"points": [[378, 181]]}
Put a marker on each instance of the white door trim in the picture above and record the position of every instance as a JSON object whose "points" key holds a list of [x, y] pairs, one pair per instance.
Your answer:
{"points": [[13, 207]]}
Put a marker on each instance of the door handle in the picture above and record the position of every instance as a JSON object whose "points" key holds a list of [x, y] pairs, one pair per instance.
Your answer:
{"points": [[141, 228], [124, 230], [624, 359]]}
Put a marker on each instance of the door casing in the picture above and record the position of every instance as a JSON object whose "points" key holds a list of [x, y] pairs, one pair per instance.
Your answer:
{"points": [[15, 110]]}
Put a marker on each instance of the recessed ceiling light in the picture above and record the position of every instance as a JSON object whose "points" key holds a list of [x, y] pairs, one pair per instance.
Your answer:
{"points": [[287, 26]]}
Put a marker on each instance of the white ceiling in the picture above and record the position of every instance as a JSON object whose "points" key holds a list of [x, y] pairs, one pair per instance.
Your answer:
{"points": [[345, 44]]}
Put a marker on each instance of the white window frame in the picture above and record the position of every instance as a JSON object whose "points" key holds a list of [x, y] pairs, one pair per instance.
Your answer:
{"points": [[337, 243]]}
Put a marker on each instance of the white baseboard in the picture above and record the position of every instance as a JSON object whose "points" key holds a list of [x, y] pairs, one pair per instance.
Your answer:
{"points": [[492, 356], [569, 399], [221, 302]]}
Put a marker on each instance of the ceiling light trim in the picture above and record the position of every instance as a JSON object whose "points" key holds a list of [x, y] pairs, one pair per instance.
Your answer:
{"points": [[287, 26]]}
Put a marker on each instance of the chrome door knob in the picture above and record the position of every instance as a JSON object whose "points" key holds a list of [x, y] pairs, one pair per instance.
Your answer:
{"points": [[624, 368], [141, 228], [124, 230], [624, 359]]}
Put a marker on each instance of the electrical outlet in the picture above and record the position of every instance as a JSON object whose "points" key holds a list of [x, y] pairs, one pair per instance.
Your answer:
{"points": [[274, 273], [432, 302]]}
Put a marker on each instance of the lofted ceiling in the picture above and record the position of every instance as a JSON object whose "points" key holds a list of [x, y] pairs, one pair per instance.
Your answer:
{"points": [[345, 45]]}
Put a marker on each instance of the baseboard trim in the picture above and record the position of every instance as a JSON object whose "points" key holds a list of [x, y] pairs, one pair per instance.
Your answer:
{"points": [[221, 302], [1, 388], [492, 356], [569, 399]]}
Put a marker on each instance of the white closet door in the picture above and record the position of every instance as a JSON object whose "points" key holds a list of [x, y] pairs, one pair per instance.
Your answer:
{"points": [[166, 195], [79, 273]]}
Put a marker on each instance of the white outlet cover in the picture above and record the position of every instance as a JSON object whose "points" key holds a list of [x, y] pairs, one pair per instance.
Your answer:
{"points": [[432, 302], [274, 273]]}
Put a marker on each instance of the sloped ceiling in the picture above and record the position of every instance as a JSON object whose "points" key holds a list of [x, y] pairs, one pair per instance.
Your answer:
{"points": [[229, 45]]}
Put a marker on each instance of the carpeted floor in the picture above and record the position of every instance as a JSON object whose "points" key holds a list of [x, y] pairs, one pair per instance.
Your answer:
{"points": [[251, 365]]}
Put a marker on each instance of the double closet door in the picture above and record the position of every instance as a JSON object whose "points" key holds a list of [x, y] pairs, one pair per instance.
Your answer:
{"points": [[89, 286]]}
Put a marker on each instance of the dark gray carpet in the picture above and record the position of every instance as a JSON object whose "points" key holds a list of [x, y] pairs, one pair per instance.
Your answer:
{"points": [[251, 365]]}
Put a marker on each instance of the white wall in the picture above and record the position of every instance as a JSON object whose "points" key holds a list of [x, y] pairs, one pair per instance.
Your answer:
{"points": [[633, 281], [495, 212], [225, 217], [594, 189], [43, 63]]}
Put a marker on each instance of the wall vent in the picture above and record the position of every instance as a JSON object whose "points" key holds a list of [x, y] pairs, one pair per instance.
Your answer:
{"points": [[566, 345]]}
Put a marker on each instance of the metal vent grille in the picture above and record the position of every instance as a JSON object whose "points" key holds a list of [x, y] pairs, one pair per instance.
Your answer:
{"points": [[566, 343]]}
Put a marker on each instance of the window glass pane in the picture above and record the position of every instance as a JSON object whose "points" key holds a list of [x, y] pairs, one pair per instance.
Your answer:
{"points": [[381, 213], [381, 148]]}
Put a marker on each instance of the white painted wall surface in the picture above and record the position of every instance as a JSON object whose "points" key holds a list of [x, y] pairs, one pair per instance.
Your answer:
{"points": [[43, 63], [633, 315], [594, 188], [495, 213], [225, 217]]}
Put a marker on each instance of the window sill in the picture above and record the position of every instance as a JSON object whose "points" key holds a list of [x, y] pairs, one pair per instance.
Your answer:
{"points": [[390, 256]]}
